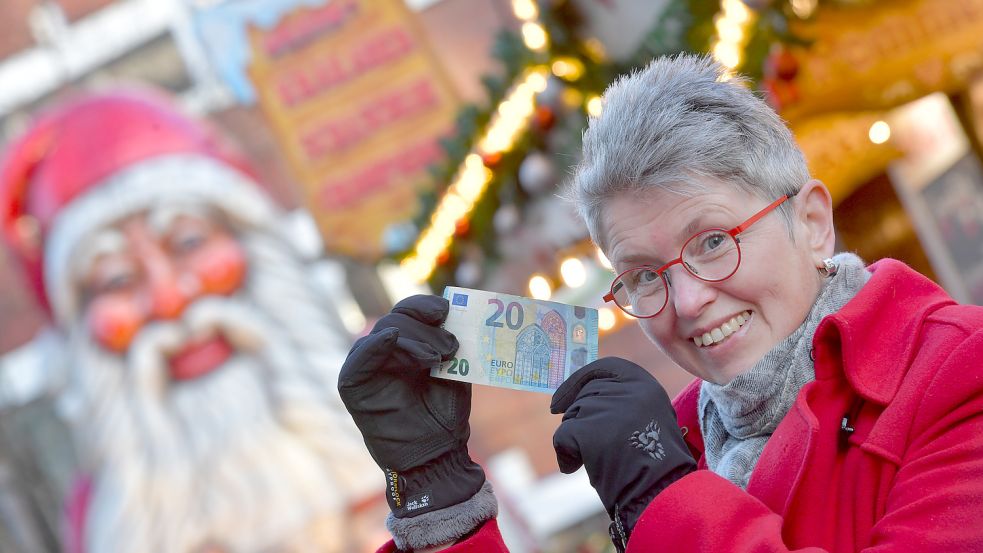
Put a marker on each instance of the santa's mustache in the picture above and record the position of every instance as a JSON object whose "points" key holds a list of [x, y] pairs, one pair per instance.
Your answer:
{"points": [[239, 323]]}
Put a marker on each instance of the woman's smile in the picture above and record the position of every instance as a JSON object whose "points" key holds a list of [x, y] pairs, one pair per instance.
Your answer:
{"points": [[718, 334]]}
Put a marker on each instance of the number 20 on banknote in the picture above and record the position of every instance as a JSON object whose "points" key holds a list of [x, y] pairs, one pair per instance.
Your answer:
{"points": [[515, 342]]}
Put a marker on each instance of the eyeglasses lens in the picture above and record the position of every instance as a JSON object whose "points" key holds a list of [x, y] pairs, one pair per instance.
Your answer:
{"points": [[712, 256], [640, 292]]}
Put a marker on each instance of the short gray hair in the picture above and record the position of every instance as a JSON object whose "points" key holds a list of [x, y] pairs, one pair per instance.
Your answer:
{"points": [[675, 122]]}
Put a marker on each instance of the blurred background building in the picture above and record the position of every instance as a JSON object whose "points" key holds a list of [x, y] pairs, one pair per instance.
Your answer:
{"points": [[424, 147]]}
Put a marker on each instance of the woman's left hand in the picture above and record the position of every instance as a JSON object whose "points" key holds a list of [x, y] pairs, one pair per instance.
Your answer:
{"points": [[619, 423]]}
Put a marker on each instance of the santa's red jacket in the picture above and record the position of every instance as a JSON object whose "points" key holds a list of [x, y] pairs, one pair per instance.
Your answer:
{"points": [[902, 365]]}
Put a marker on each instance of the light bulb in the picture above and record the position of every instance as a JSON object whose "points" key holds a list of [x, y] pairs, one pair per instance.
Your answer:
{"points": [[540, 288]]}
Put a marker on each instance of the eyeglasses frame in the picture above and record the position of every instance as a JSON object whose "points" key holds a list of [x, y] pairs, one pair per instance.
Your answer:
{"points": [[661, 271]]}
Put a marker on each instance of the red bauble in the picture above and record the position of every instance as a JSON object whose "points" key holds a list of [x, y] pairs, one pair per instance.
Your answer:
{"points": [[492, 159], [780, 94], [544, 118], [786, 66], [443, 257]]}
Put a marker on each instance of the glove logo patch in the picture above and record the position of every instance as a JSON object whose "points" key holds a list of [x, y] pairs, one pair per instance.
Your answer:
{"points": [[421, 501], [648, 441]]}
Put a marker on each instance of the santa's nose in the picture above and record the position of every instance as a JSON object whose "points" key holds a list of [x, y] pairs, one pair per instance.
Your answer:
{"points": [[169, 289], [168, 300]]}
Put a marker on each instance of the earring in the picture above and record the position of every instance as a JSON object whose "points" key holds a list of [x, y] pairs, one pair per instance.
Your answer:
{"points": [[828, 268]]}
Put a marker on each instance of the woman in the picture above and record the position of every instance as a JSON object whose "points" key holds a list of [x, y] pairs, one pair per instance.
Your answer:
{"points": [[838, 407]]}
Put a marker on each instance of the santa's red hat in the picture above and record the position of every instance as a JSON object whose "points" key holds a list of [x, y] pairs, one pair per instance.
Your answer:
{"points": [[102, 157]]}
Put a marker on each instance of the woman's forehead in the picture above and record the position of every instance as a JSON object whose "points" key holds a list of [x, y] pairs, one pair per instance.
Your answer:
{"points": [[665, 215]]}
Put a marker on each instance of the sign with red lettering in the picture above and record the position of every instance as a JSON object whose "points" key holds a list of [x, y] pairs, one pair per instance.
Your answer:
{"points": [[359, 104]]}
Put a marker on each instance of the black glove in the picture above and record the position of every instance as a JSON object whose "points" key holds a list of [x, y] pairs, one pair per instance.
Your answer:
{"points": [[619, 423], [415, 427]]}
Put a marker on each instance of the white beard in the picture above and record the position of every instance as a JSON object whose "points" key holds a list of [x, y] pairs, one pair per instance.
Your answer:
{"points": [[249, 456]]}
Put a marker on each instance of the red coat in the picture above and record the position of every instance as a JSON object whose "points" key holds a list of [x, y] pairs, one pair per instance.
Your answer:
{"points": [[904, 364]]}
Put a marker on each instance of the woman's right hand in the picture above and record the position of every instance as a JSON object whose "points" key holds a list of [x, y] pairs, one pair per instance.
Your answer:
{"points": [[416, 427]]}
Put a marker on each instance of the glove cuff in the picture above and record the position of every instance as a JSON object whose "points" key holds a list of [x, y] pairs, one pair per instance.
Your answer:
{"points": [[624, 518], [444, 525], [442, 482]]}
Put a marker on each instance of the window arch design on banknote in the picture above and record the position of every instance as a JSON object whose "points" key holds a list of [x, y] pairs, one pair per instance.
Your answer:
{"points": [[532, 358], [556, 329]]}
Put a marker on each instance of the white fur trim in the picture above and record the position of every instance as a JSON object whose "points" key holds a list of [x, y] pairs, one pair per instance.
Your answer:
{"points": [[189, 178]]}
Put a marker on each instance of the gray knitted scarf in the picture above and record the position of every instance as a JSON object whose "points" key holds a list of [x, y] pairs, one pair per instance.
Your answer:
{"points": [[737, 418]]}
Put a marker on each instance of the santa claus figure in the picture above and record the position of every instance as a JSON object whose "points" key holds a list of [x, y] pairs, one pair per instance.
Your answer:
{"points": [[201, 384]]}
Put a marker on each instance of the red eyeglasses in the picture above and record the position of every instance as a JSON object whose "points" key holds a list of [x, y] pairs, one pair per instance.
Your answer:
{"points": [[711, 255]]}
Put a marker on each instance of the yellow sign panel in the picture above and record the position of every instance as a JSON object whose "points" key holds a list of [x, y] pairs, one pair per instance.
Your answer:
{"points": [[359, 104], [885, 54]]}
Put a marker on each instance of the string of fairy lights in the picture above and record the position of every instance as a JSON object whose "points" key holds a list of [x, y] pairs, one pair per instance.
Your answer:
{"points": [[731, 25], [512, 118]]}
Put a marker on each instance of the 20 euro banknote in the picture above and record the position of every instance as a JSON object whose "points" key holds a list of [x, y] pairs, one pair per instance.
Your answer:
{"points": [[515, 342]]}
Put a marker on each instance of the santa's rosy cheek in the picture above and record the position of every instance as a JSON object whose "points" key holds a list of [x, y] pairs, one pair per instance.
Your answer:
{"points": [[114, 321], [222, 269]]}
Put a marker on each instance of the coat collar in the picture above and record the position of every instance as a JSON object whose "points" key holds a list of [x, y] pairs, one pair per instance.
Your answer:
{"points": [[875, 334]]}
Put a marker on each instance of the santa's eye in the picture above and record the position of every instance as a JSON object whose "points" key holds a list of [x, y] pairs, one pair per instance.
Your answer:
{"points": [[187, 242], [187, 233], [112, 276], [118, 282]]}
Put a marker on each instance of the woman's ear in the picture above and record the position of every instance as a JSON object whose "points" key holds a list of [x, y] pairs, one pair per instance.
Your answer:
{"points": [[814, 214]]}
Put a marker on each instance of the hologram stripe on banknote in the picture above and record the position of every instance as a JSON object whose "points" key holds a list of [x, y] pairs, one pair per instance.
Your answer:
{"points": [[516, 342]]}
